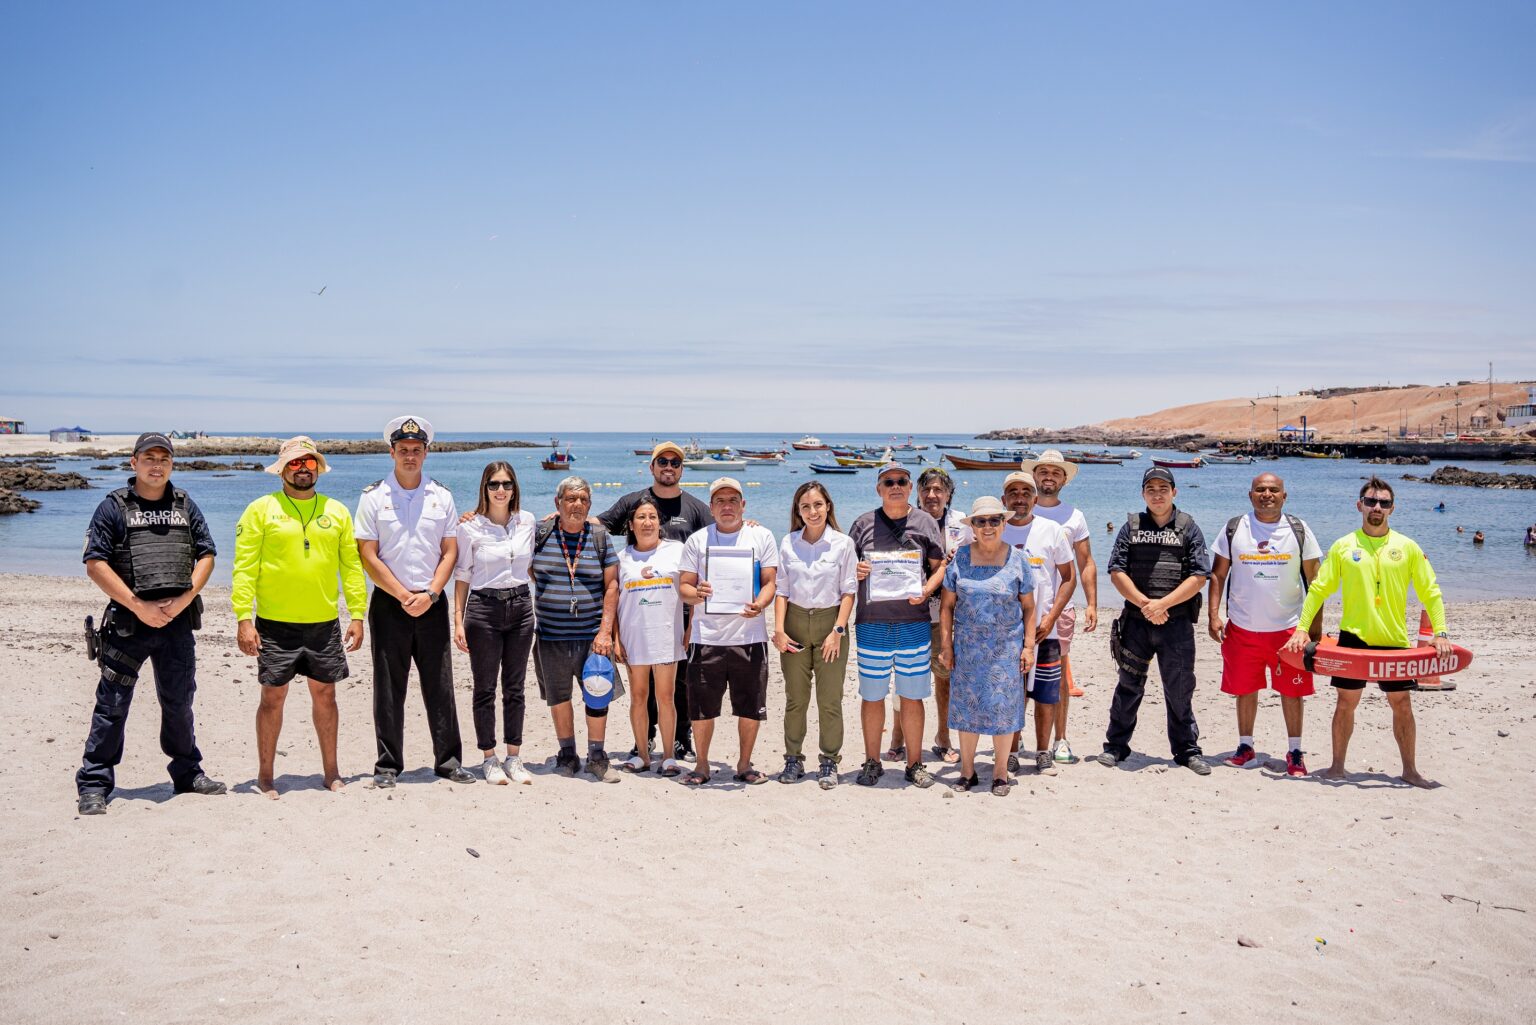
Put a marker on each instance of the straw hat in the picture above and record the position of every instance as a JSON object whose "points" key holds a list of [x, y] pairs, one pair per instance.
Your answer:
{"points": [[1050, 457], [986, 505], [298, 448]]}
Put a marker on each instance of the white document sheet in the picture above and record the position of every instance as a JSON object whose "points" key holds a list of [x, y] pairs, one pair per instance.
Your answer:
{"points": [[896, 576], [728, 571]]}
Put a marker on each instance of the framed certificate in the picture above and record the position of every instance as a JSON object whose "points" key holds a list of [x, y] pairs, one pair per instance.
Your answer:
{"points": [[895, 576], [728, 571]]}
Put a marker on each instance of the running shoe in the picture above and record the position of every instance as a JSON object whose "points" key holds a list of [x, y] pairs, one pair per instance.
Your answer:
{"points": [[1294, 766], [1108, 758], [1045, 764], [794, 769], [1063, 752], [1013, 764], [516, 771], [870, 774], [826, 775], [919, 776], [1244, 755], [492, 771]]}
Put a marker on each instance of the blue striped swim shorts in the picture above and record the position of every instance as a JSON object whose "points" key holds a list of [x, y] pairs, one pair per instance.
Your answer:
{"points": [[902, 650]]}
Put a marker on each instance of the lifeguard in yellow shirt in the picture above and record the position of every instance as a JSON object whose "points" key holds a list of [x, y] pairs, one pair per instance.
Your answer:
{"points": [[1373, 566], [291, 548]]}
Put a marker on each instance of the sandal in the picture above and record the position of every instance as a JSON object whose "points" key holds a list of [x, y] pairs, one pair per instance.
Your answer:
{"points": [[1000, 787], [896, 754], [670, 768], [696, 778], [948, 755], [751, 777], [635, 764], [965, 784]]}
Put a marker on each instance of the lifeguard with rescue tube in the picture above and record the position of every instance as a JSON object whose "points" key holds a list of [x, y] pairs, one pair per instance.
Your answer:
{"points": [[1372, 567]]}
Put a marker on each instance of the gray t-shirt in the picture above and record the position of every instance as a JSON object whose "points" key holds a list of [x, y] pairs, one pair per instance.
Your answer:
{"points": [[875, 532]]}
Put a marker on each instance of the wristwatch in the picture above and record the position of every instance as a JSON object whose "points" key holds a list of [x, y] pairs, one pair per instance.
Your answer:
{"points": [[437, 596], [840, 630], [1444, 634]]}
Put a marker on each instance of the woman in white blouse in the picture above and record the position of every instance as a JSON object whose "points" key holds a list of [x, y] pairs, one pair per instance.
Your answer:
{"points": [[493, 614], [817, 584], [650, 639]]}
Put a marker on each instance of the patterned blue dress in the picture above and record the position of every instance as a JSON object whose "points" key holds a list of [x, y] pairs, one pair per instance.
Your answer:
{"points": [[986, 688]]}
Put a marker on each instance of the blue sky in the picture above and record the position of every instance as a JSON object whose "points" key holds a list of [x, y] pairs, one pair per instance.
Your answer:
{"points": [[718, 216]]}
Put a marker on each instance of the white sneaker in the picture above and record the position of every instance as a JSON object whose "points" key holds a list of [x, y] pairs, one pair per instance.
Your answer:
{"points": [[491, 769], [516, 772], [1062, 751]]}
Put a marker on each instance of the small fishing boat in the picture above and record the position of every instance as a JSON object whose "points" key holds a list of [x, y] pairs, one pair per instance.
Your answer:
{"points": [[1178, 464], [557, 460], [907, 446], [715, 462], [1221, 458], [809, 443], [1133, 454], [964, 463], [940, 444], [1309, 454], [761, 453], [1091, 459], [825, 468], [858, 462], [774, 459]]}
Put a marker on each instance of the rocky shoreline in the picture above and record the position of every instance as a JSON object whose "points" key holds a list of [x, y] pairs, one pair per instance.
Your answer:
{"points": [[1456, 475], [254, 446]]}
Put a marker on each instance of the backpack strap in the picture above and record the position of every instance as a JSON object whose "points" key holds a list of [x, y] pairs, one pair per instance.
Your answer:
{"points": [[542, 534], [1299, 529]]}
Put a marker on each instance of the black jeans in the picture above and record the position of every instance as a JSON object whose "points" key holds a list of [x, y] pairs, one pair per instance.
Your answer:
{"points": [[500, 635], [1173, 644], [398, 640], [172, 651]]}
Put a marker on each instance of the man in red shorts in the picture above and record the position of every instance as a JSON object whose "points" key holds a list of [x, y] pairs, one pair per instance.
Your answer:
{"points": [[1263, 562]]}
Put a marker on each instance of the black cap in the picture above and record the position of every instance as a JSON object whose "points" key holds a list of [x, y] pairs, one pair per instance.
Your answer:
{"points": [[1158, 473], [152, 439]]}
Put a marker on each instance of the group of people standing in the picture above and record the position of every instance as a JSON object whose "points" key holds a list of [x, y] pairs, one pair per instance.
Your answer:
{"points": [[976, 612]]}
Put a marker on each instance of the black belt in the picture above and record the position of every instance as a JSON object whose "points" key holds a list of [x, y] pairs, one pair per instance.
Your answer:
{"points": [[502, 593]]}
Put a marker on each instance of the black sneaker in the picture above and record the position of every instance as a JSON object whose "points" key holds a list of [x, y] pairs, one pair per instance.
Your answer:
{"points": [[567, 763], [919, 776], [201, 784], [1013, 764], [965, 784], [384, 779], [597, 764], [794, 769], [826, 775], [870, 774], [92, 802], [1108, 758]]}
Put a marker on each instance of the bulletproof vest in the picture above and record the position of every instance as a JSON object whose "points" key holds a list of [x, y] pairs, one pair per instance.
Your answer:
{"points": [[1158, 558], [155, 558]]}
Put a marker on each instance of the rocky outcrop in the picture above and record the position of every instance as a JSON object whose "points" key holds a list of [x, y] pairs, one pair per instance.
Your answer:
{"points": [[11, 502], [331, 447], [1474, 479], [29, 478], [1399, 461], [195, 465]]}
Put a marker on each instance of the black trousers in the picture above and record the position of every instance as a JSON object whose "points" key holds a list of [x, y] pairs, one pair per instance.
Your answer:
{"points": [[500, 635], [172, 652], [1173, 645], [400, 639]]}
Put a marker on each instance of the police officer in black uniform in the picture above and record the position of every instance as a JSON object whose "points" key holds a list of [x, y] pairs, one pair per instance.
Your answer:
{"points": [[1159, 564], [149, 549]]}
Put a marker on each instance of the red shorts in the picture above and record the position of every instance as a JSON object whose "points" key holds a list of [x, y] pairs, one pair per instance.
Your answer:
{"points": [[1247, 654]]}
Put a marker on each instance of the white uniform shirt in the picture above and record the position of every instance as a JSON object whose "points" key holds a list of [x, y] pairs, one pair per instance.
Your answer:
{"points": [[1071, 519], [493, 556], [816, 574], [720, 628], [409, 526], [1265, 588]]}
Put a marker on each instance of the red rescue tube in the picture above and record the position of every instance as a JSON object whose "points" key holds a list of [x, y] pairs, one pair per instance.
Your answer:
{"points": [[1326, 658]]}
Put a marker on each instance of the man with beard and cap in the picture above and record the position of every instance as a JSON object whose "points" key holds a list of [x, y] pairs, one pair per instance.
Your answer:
{"points": [[149, 550], [1373, 566], [406, 531], [292, 546], [1052, 473], [1262, 564]]}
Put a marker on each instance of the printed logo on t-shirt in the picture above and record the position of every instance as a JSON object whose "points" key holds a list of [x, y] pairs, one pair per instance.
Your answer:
{"points": [[1395, 554], [1357, 555], [323, 522]]}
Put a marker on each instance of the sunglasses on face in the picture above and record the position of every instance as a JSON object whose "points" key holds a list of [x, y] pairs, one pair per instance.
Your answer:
{"points": [[303, 462], [499, 485], [1376, 503], [986, 521], [896, 482], [671, 461]]}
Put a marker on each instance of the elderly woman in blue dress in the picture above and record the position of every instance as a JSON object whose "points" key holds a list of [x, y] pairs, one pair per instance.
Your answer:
{"points": [[987, 640]]}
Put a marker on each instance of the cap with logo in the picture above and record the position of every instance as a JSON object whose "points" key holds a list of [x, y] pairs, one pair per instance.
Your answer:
{"points": [[597, 681], [152, 439], [1157, 473], [297, 448], [409, 428], [889, 467]]}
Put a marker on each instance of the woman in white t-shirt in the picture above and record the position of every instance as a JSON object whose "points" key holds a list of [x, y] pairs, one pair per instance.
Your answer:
{"points": [[650, 631], [493, 614], [817, 583]]}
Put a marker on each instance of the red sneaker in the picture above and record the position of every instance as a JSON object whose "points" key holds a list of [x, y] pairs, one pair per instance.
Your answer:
{"points": [[1294, 766], [1242, 756]]}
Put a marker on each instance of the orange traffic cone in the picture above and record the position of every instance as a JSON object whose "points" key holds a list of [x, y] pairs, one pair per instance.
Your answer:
{"points": [[1427, 637]]}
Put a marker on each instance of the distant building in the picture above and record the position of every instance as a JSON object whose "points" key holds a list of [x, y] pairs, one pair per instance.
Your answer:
{"points": [[1290, 432], [1523, 414], [1480, 420], [9, 425], [69, 434]]}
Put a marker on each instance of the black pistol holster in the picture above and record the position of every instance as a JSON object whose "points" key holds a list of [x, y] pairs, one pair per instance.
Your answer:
{"points": [[1126, 661]]}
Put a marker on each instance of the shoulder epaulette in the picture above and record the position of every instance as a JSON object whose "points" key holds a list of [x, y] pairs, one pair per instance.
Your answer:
{"points": [[375, 484]]}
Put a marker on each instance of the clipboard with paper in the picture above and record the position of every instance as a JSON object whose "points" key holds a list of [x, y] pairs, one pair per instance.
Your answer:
{"points": [[895, 576], [731, 573]]}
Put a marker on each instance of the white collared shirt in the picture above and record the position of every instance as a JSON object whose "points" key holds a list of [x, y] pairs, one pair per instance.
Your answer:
{"points": [[409, 525], [816, 574], [493, 556]]}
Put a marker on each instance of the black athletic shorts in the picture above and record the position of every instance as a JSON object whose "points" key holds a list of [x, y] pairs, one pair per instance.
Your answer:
{"points": [[741, 669], [300, 649], [1349, 640]]}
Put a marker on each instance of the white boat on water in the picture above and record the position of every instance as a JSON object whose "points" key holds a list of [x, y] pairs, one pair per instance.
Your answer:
{"points": [[715, 463], [809, 443]]}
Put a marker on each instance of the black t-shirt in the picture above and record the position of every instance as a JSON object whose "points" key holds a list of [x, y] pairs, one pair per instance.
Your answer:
{"points": [[681, 517]]}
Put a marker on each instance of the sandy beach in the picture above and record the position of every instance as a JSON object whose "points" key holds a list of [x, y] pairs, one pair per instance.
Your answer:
{"points": [[1094, 895]]}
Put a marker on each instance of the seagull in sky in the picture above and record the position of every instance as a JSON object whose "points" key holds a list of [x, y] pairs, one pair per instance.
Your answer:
{"points": [[322, 290]]}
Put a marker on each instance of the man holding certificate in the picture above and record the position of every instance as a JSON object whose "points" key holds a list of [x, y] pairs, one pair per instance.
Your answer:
{"points": [[727, 574], [901, 565]]}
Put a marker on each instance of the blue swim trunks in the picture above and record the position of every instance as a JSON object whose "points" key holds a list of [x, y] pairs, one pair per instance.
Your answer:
{"points": [[901, 650]]}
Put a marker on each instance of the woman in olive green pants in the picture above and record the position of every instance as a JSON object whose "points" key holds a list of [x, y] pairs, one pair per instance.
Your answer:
{"points": [[817, 583]]}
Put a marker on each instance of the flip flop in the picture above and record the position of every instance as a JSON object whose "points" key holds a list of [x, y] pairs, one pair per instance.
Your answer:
{"points": [[751, 777], [946, 754], [696, 778], [670, 768], [896, 754], [635, 765]]}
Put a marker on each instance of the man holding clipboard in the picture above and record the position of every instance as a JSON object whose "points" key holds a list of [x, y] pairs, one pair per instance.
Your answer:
{"points": [[901, 566], [727, 573]]}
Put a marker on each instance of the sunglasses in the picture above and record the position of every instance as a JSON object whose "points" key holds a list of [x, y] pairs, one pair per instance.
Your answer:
{"points": [[309, 462], [896, 482], [986, 521], [1376, 503], [500, 485], [671, 461]]}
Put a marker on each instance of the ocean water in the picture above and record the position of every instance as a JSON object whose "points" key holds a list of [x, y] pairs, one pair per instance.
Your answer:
{"points": [[1320, 491]]}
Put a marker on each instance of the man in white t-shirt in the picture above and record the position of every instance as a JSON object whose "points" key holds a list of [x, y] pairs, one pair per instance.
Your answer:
{"points": [[1268, 567], [1052, 473], [730, 649], [1046, 549]]}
